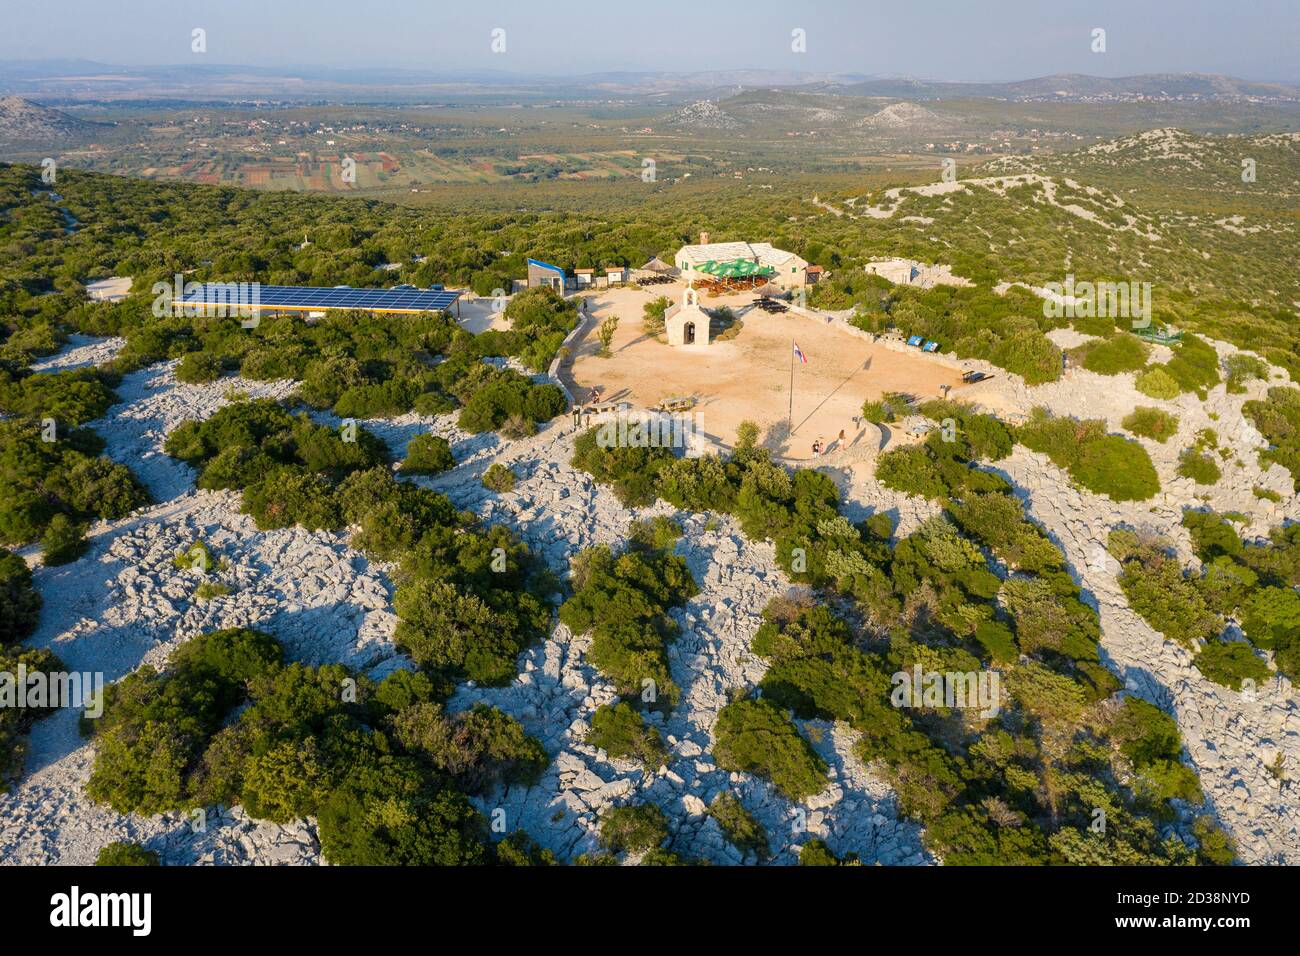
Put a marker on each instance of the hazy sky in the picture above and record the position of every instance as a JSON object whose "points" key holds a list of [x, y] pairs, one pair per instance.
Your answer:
{"points": [[933, 39]]}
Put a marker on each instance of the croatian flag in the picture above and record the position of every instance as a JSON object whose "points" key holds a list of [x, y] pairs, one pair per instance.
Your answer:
{"points": [[799, 353]]}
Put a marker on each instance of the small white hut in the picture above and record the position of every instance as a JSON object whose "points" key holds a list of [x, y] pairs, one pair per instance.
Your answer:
{"points": [[687, 324]]}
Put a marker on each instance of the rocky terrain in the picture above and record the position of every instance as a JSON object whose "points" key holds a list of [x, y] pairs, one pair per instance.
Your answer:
{"points": [[1230, 738], [23, 122], [124, 603], [559, 512], [704, 114], [904, 115]]}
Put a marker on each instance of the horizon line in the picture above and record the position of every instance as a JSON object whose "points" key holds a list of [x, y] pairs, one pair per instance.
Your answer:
{"points": [[288, 69]]}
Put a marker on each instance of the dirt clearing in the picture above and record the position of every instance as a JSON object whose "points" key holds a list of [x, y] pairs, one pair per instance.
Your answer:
{"points": [[748, 377]]}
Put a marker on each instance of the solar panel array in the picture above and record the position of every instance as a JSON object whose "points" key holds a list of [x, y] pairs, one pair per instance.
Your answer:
{"points": [[316, 297]]}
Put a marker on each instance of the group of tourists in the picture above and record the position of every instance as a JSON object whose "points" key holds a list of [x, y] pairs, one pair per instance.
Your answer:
{"points": [[820, 448]]}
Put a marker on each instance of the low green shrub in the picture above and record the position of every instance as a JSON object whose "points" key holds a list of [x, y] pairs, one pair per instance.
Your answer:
{"points": [[1199, 466], [877, 412], [1242, 368], [911, 470], [980, 436], [659, 533], [1120, 353], [1215, 848], [519, 849], [499, 478], [652, 322], [1157, 589], [1149, 739], [621, 731], [633, 828], [198, 556], [460, 633], [1151, 423], [427, 454], [211, 590], [754, 736], [738, 825], [816, 853], [1231, 662], [1155, 382], [123, 853], [1195, 365], [64, 541], [198, 367], [1102, 463], [1278, 419]]}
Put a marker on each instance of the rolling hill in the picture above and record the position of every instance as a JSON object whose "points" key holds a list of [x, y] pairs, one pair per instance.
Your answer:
{"points": [[23, 122]]}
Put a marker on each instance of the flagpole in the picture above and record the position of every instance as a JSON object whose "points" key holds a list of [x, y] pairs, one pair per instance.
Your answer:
{"points": [[789, 421]]}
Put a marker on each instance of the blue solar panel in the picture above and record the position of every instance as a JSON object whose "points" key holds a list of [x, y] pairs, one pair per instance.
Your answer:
{"points": [[317, 297]]}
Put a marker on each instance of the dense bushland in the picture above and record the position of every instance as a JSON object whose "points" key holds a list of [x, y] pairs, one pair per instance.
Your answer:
{"points": [[286, 464], [539, 320], [153, 230], [755, 736], [41, 480], [1017, 786], [623, 600], [971, 322], [366, 366], [469, 597], [1121, 352], [1278, 420], [1250, 583], [382, 766], [1103, 463], [70, 398], [940, 467]]}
